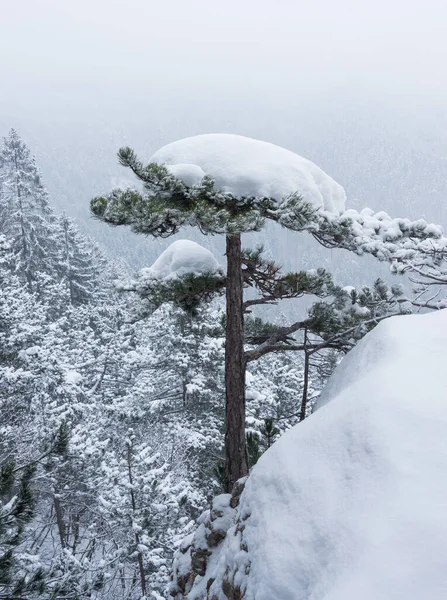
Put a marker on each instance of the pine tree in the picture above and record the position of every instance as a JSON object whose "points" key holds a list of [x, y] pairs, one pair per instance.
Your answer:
{"points": [[16, 510], [166, 204]]}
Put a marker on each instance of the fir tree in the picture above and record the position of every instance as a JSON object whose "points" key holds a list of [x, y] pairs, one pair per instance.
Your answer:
{"points": [[16, 510], [26, 217], [80, 263]]}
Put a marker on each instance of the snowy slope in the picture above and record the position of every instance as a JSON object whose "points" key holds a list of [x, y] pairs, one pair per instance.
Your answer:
{"points": [[246, 167], [352, 503], [180, 258]]}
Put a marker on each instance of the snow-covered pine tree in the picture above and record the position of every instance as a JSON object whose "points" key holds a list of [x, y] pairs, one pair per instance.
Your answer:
{"points": [[80, 265], [227, 184], [26, 217], [16, 510]]}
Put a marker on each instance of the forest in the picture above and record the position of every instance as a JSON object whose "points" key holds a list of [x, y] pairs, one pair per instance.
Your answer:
{"points": [[223, 281], [115, 392]]}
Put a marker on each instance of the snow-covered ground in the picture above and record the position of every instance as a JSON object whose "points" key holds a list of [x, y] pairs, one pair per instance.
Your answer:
{"points": [[246, 167], [352, 503]]}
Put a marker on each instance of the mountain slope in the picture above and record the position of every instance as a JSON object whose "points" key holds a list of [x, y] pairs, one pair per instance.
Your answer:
{"points": [[352, 503]]}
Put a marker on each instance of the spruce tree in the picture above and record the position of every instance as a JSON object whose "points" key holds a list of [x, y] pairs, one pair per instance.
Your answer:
{"points": [[26, 217], [80, 264], [166, 204]]}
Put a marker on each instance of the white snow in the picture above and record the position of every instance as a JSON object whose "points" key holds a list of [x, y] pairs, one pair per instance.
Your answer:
{"points": [[73, 377], [191, 175], [247, 167], [352, 503], [180, 258]]}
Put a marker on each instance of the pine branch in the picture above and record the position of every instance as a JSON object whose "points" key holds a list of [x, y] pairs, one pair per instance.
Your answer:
{"points": [[33, 462], [257, 301], [279, 336], [168, 205], [273, 286], [440, 305]]}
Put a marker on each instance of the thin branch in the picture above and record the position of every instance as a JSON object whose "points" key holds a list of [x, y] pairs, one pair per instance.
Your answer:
{"points": [[427, 303], [33, 462], [252, 355], [265, 300], [279, 336]]}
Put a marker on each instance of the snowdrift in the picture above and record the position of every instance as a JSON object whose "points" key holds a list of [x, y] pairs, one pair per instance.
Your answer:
{"points": [[352, 503]]}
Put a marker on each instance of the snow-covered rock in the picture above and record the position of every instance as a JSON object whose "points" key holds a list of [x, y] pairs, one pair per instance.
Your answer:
{"points": [[246, 167], [352, 502], [180, 258], [199, 551]]}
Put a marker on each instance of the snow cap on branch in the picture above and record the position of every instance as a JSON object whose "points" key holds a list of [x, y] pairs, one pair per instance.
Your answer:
{"points": [[181, 258], [246, 167], [229, 184]]}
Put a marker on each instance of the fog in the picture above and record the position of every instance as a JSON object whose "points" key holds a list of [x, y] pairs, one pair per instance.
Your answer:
{"points": [[358, 87], [102, 55]]}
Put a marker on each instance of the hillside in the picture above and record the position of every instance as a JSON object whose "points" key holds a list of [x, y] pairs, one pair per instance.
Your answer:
{"points": [[350, 503]]}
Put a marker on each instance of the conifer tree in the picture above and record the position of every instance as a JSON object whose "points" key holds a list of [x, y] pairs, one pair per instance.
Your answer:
{"points": [[80, 263], [166, 204], [26, 217], [16, 510]]}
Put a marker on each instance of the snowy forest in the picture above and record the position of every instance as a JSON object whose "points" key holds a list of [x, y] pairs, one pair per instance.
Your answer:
{"points": [[223, 282], [113, 382]]}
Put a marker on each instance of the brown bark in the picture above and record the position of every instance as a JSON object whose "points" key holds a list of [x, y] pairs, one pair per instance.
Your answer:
{"points": [[236, 457], [306, 380], [137, 536], [59, 520], [276, 342]]}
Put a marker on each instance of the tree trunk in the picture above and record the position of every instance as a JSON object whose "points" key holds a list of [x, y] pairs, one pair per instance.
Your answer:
{"points": [[236, 457], [59, 520], [137, 535], [24, 243], [306, 380]]}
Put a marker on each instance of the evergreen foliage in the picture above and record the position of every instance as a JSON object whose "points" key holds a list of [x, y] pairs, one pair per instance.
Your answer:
{"points": [[112, 426], [26, 218], [166, 204]]}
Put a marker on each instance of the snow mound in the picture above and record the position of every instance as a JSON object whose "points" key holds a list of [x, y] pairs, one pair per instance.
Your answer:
{"points": [[180, 258], [246, 167], [73, 377], [352, 503]]}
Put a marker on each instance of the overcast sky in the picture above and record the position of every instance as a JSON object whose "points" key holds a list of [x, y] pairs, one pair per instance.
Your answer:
{"points": [[79, 78], [357, 86], [76, 54]]}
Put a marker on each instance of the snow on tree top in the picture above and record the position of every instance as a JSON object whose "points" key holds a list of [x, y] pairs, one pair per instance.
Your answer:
{"points": [[247, 167], [180, 258], [351, 503]]}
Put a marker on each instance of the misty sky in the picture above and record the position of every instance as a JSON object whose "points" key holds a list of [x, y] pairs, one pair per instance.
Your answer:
{"points": [[350, 84], [70, 55], [357, 86]]}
